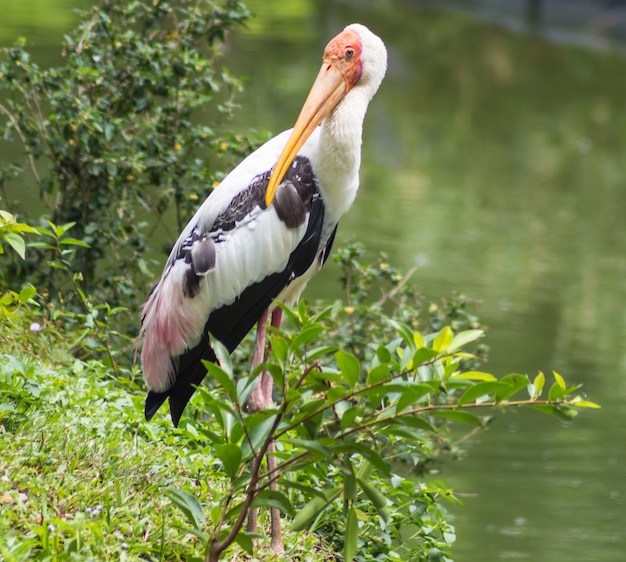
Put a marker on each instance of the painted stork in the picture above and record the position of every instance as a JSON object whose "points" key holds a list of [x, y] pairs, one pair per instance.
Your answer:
{"points": [[265, 231]]}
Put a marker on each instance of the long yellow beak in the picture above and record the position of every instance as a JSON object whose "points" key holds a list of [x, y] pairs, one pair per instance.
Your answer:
{"points": [[328, 90]]}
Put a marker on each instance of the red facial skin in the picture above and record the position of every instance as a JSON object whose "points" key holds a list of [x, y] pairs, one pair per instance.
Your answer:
{"points": [[344, 52]]}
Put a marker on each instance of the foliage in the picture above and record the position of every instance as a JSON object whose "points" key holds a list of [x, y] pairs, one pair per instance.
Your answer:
{"points": [[82, 471], [339, 425], [11, 233], [114, 129], [356, 435], [366, 390], [32, 321], [376, 292]]}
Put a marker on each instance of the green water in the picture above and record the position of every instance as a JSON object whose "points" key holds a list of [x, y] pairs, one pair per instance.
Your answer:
{"points": [[496, 162]]}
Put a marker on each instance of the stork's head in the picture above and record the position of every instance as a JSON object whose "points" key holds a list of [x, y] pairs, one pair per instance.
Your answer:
{"points": [[356, 59]]}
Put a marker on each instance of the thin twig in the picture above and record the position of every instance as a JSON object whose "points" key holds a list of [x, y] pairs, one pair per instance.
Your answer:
{"points": [[399, 286], [31, 158], [448, 407], [217, 546]]}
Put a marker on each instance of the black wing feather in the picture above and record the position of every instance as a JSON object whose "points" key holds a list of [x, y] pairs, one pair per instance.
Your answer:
{"points": [[230, 323]]}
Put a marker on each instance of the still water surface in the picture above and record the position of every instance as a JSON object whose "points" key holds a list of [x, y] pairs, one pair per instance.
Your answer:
{"points": [[495, 161]]}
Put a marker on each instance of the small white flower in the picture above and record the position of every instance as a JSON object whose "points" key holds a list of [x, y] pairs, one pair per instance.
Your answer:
{"points": [[35, 327]]}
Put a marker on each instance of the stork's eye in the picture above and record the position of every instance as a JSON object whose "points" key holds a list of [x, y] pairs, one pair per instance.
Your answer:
{"points": [[349, 52]]}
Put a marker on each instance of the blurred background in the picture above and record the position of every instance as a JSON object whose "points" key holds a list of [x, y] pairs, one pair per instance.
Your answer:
{"points": [[494, 160]]}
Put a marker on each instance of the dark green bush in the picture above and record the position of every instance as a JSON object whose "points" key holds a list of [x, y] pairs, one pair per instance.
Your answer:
{"points": [[121, 138]]}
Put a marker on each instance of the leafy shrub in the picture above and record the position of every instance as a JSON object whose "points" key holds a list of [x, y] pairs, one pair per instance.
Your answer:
{"points": [[118, 130], [367, 389], [340, 427]]}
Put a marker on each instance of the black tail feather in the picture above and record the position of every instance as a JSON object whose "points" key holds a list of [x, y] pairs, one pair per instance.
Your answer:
{"points": [[191, 371], [154, 400], [230, 323]]}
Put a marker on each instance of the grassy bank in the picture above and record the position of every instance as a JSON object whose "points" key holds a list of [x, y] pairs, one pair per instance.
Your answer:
{"points": [[83, 475]]}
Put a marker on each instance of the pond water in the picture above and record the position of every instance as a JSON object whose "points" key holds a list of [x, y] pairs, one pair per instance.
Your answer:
{"points": [[495, 161]]}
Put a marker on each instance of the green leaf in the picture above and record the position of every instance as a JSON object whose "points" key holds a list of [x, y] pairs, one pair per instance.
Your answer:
{"points": [[57, 264], [423, 355], [443, 339], [378, 374], [456, 415], [410, 394], [310, 511], [16, 242], [326, 312], [230, 456], [349, 366], [223, 357], [274, 498], [74, 242], [414, 421], [553, 410], [545, 408], [366, 452], [291, 315], [109, 131], [308, 490], [351, 416], [27, 293], [556, 392], [406, 358], [259, 431], [463, 338], [404, 331], [515, 382], [312, 446], [336, 393], [320, 351], [60, 230], [244, 540], [475, 376], [538, 383], [280, 348], [306, 335], [245, 386], [222, 377], [352, 535], [418, 340], [383, 354], [584, 404], [559, 380], [378, 499], [481, 389], [349, 481], [188, 504]]}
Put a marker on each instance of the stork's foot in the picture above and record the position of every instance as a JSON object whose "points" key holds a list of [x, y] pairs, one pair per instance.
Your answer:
{"points": [[277, 544], [261, 396]]}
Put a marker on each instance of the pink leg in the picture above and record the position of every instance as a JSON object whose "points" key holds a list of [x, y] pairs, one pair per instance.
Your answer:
{"points": [[256, 399], [266, 380], [260, 399], [256, 402], [276, 545], [261, 396]]}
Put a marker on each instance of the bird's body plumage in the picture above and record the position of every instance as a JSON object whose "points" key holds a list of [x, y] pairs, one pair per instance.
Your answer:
{"points": [[237, 254]]}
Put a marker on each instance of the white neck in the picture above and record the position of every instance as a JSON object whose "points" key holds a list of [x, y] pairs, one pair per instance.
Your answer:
{"points": [[339, 148], [340, 153]]}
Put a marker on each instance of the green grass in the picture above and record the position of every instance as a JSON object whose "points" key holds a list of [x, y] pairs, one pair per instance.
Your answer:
{"points": [[82, 474]]}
